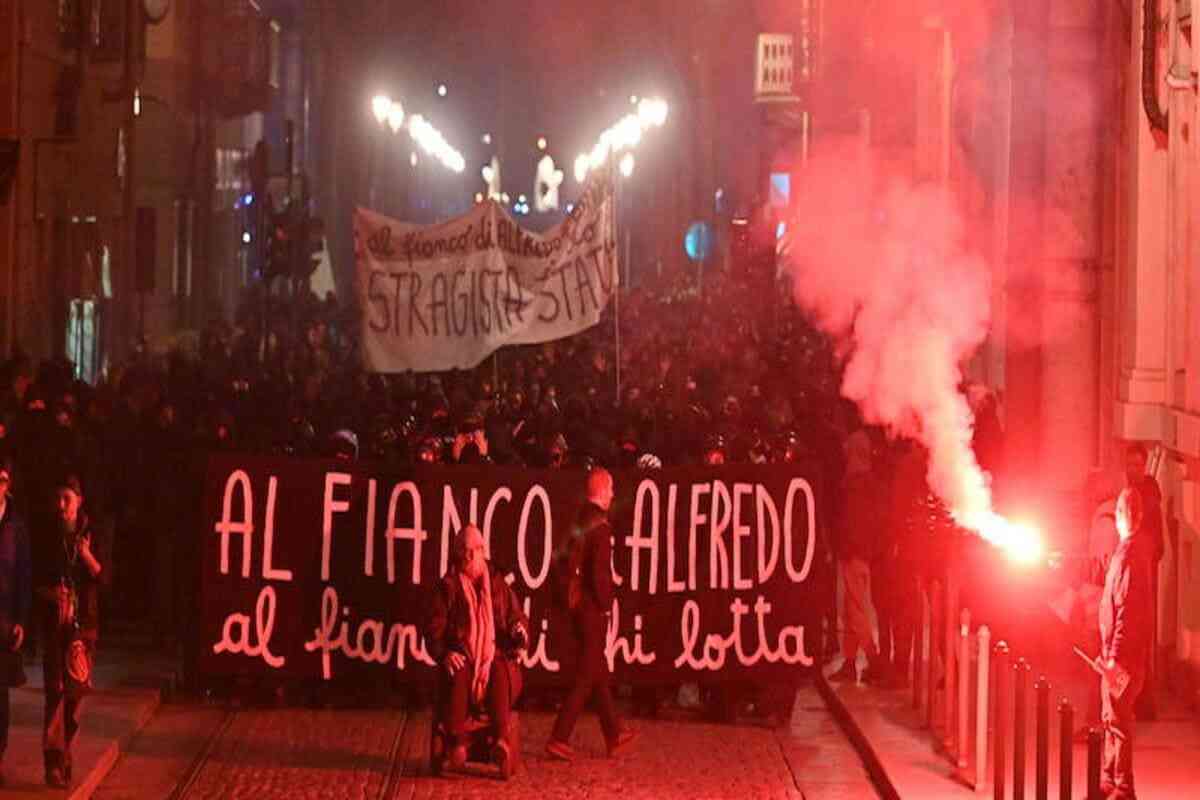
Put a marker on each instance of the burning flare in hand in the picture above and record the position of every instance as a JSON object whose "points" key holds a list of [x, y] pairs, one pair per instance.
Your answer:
{"points": [[1021, 542]]}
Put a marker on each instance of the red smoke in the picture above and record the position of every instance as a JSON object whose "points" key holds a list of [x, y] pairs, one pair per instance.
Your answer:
{"points": [[884, 267]]}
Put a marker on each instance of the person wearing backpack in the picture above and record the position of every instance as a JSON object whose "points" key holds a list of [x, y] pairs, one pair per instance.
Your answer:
{"points": [[589, 600]]}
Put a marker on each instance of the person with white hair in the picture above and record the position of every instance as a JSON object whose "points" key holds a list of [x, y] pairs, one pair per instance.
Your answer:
{"points": [[475, 632]]}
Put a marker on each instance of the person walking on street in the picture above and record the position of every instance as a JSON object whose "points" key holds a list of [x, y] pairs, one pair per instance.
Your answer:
{"points": [[15, 592], [590, 596], [862, 521], [68, 573]]}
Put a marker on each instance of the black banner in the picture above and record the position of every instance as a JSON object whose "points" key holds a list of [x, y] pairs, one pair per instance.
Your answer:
{"points": [[323, 569]]}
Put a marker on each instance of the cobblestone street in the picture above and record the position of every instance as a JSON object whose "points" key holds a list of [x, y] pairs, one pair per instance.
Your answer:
{"points": [[204, 754]]}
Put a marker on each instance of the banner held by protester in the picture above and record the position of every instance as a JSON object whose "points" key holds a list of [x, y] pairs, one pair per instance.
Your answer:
{"points": [[446, 296], [325, 570]]}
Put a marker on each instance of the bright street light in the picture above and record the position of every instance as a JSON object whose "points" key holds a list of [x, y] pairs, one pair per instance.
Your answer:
{"points": [[653, 113], [622, 136], [381, 106], [431, 141], [627, 164], [395, 117]]}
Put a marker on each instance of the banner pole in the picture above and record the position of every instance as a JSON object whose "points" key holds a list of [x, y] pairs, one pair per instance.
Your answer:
{"points": [[612, 172]]}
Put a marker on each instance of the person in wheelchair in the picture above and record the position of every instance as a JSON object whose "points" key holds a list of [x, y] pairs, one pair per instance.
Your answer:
{"points": [[475, 631]]}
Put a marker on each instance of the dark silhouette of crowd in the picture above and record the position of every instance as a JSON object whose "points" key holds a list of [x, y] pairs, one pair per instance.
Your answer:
{"points": [[724, 374], [714, 376]]}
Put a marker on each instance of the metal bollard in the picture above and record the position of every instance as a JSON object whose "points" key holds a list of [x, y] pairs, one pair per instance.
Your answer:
{"points": [[950, 697], [1020, 699], [981, 708], [1041, 774], [919, 661], [1001, 721], [964, 688], [1095, 743], [931, 595], [1066, 722]]}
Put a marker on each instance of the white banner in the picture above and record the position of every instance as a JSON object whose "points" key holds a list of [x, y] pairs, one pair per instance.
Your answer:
{"points": [[446, 296]]}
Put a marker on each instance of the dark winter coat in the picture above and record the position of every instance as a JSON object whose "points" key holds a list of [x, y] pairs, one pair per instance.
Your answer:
{"points": [[1127, 607], [51, 567], [448, 626], [596, 563], [16, 573]]}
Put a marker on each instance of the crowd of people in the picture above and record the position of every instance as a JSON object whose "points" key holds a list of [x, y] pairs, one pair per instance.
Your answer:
{"points": [[700, 377], [722, 375]]}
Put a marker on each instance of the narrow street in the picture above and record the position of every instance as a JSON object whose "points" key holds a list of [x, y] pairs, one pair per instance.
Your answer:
{"points": [[197, 752]]}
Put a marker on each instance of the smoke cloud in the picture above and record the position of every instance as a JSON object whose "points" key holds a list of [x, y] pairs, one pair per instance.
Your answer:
{"points": [[883, 265]]}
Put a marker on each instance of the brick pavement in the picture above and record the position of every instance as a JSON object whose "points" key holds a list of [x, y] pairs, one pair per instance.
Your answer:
{"points": [[300, 754], [163, 753], [126, 697], [670, 759], [327, 755]]}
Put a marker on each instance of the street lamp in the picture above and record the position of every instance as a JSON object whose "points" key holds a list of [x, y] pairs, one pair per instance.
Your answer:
{"points": [[627, 165], [381, 106], [395, 117], [624, 135]]}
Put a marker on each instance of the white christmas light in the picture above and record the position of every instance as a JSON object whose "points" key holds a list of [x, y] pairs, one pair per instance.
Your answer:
{"points": [[541, 143], [545, 185], [582, 164], [441, 90], [491, 176]]}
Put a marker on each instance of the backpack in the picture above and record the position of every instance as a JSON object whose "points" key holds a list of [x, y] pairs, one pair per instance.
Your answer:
{"points": [[569, 569]]}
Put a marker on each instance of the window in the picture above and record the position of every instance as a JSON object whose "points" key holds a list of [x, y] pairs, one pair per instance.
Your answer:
{"points": [[781, 189], [108, 26]]}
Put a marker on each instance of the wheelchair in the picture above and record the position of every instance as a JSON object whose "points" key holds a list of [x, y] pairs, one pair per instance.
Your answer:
{"points": [[481, 741]]}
